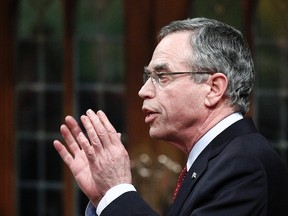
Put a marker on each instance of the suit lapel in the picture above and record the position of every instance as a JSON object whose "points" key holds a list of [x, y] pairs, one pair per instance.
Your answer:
{"points": [[212, 150], [189, 181]]}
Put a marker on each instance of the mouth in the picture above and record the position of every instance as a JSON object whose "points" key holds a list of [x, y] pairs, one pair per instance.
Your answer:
{"points": [[149, 115]]}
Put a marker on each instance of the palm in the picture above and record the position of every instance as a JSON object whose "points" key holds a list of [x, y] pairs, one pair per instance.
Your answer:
{"points": [[79, 167], [74, 157]]}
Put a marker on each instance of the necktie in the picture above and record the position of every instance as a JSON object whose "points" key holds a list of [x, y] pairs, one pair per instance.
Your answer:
{"points": [[179, 182]]}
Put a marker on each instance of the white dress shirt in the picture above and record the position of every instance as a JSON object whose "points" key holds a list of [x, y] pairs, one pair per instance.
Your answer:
{"points": [[210, 135], [199, 146]]}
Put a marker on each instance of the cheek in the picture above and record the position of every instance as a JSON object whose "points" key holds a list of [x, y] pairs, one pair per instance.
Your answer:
{"points": [[184, 106], [178, 108], [181, 100]]}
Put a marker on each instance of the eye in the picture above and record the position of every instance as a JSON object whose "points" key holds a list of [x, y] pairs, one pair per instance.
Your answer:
{"points": [[163, 78]]}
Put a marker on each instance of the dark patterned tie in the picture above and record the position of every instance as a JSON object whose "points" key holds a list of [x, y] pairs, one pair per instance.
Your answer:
{"points": [[179, 182]]}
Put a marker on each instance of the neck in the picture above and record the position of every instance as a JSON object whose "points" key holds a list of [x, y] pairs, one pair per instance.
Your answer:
{"points": [[189, 137]]}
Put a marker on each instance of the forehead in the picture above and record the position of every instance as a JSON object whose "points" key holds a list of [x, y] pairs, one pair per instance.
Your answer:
{"points": [[172, 53]]}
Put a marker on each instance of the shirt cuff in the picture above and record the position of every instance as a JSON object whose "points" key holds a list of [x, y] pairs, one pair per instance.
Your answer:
{"points": [[112, 194]]}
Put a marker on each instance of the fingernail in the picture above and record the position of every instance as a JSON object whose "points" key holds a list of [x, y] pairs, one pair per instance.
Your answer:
{"points": [[90, 112], [83, 118]]}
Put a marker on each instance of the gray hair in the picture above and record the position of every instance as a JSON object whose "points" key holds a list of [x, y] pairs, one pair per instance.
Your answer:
{"points": [[220, 48]]}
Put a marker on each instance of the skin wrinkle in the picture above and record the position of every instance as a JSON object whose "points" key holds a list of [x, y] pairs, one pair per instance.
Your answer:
{"points": [[166, 124], [160, 59]]}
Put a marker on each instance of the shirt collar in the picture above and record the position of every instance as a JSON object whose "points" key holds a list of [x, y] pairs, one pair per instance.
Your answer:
{"points": [[210, 135]]}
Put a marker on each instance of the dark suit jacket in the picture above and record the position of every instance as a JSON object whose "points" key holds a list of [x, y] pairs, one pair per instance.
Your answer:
{"points": [[238, 173]]}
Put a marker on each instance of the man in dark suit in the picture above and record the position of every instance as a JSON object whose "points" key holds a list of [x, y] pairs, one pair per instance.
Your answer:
{"points": [[197, 87]]}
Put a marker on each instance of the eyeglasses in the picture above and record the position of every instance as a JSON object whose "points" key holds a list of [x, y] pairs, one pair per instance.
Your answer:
{"points": [[163, 78]]}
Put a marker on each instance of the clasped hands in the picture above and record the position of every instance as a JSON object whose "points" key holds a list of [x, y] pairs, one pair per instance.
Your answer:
{"points": [[99, 161]]}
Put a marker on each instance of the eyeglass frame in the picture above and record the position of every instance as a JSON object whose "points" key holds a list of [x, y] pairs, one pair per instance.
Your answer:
{"points": [[156, 79]]}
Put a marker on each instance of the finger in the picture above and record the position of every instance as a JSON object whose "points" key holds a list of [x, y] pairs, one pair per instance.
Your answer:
{"points": [[69, 139], [92, 134], [99, 128], [63, 152], [105, 121], [113, 135], [88, 149], [73, 126]]}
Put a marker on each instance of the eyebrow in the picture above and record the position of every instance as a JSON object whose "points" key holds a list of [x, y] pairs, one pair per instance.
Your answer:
{"points": [[158, 68]]}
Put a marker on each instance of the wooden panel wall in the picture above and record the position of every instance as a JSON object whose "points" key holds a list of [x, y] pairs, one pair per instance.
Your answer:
{"points": [[249, 11], [7, 166], [68, 84], [143, 19]]}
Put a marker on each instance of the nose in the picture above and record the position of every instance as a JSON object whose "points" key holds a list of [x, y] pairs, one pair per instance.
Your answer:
{"points": [[147, 90]]}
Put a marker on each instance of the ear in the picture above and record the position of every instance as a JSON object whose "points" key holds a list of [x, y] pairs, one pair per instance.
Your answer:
{"points": [[218, 83]]}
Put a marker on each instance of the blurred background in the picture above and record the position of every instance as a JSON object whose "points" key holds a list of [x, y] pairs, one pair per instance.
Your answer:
{"points": [[60, 57]]}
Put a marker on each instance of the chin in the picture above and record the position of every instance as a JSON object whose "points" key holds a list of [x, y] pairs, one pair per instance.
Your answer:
{"points": [[153, 134], [156, 134]]}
